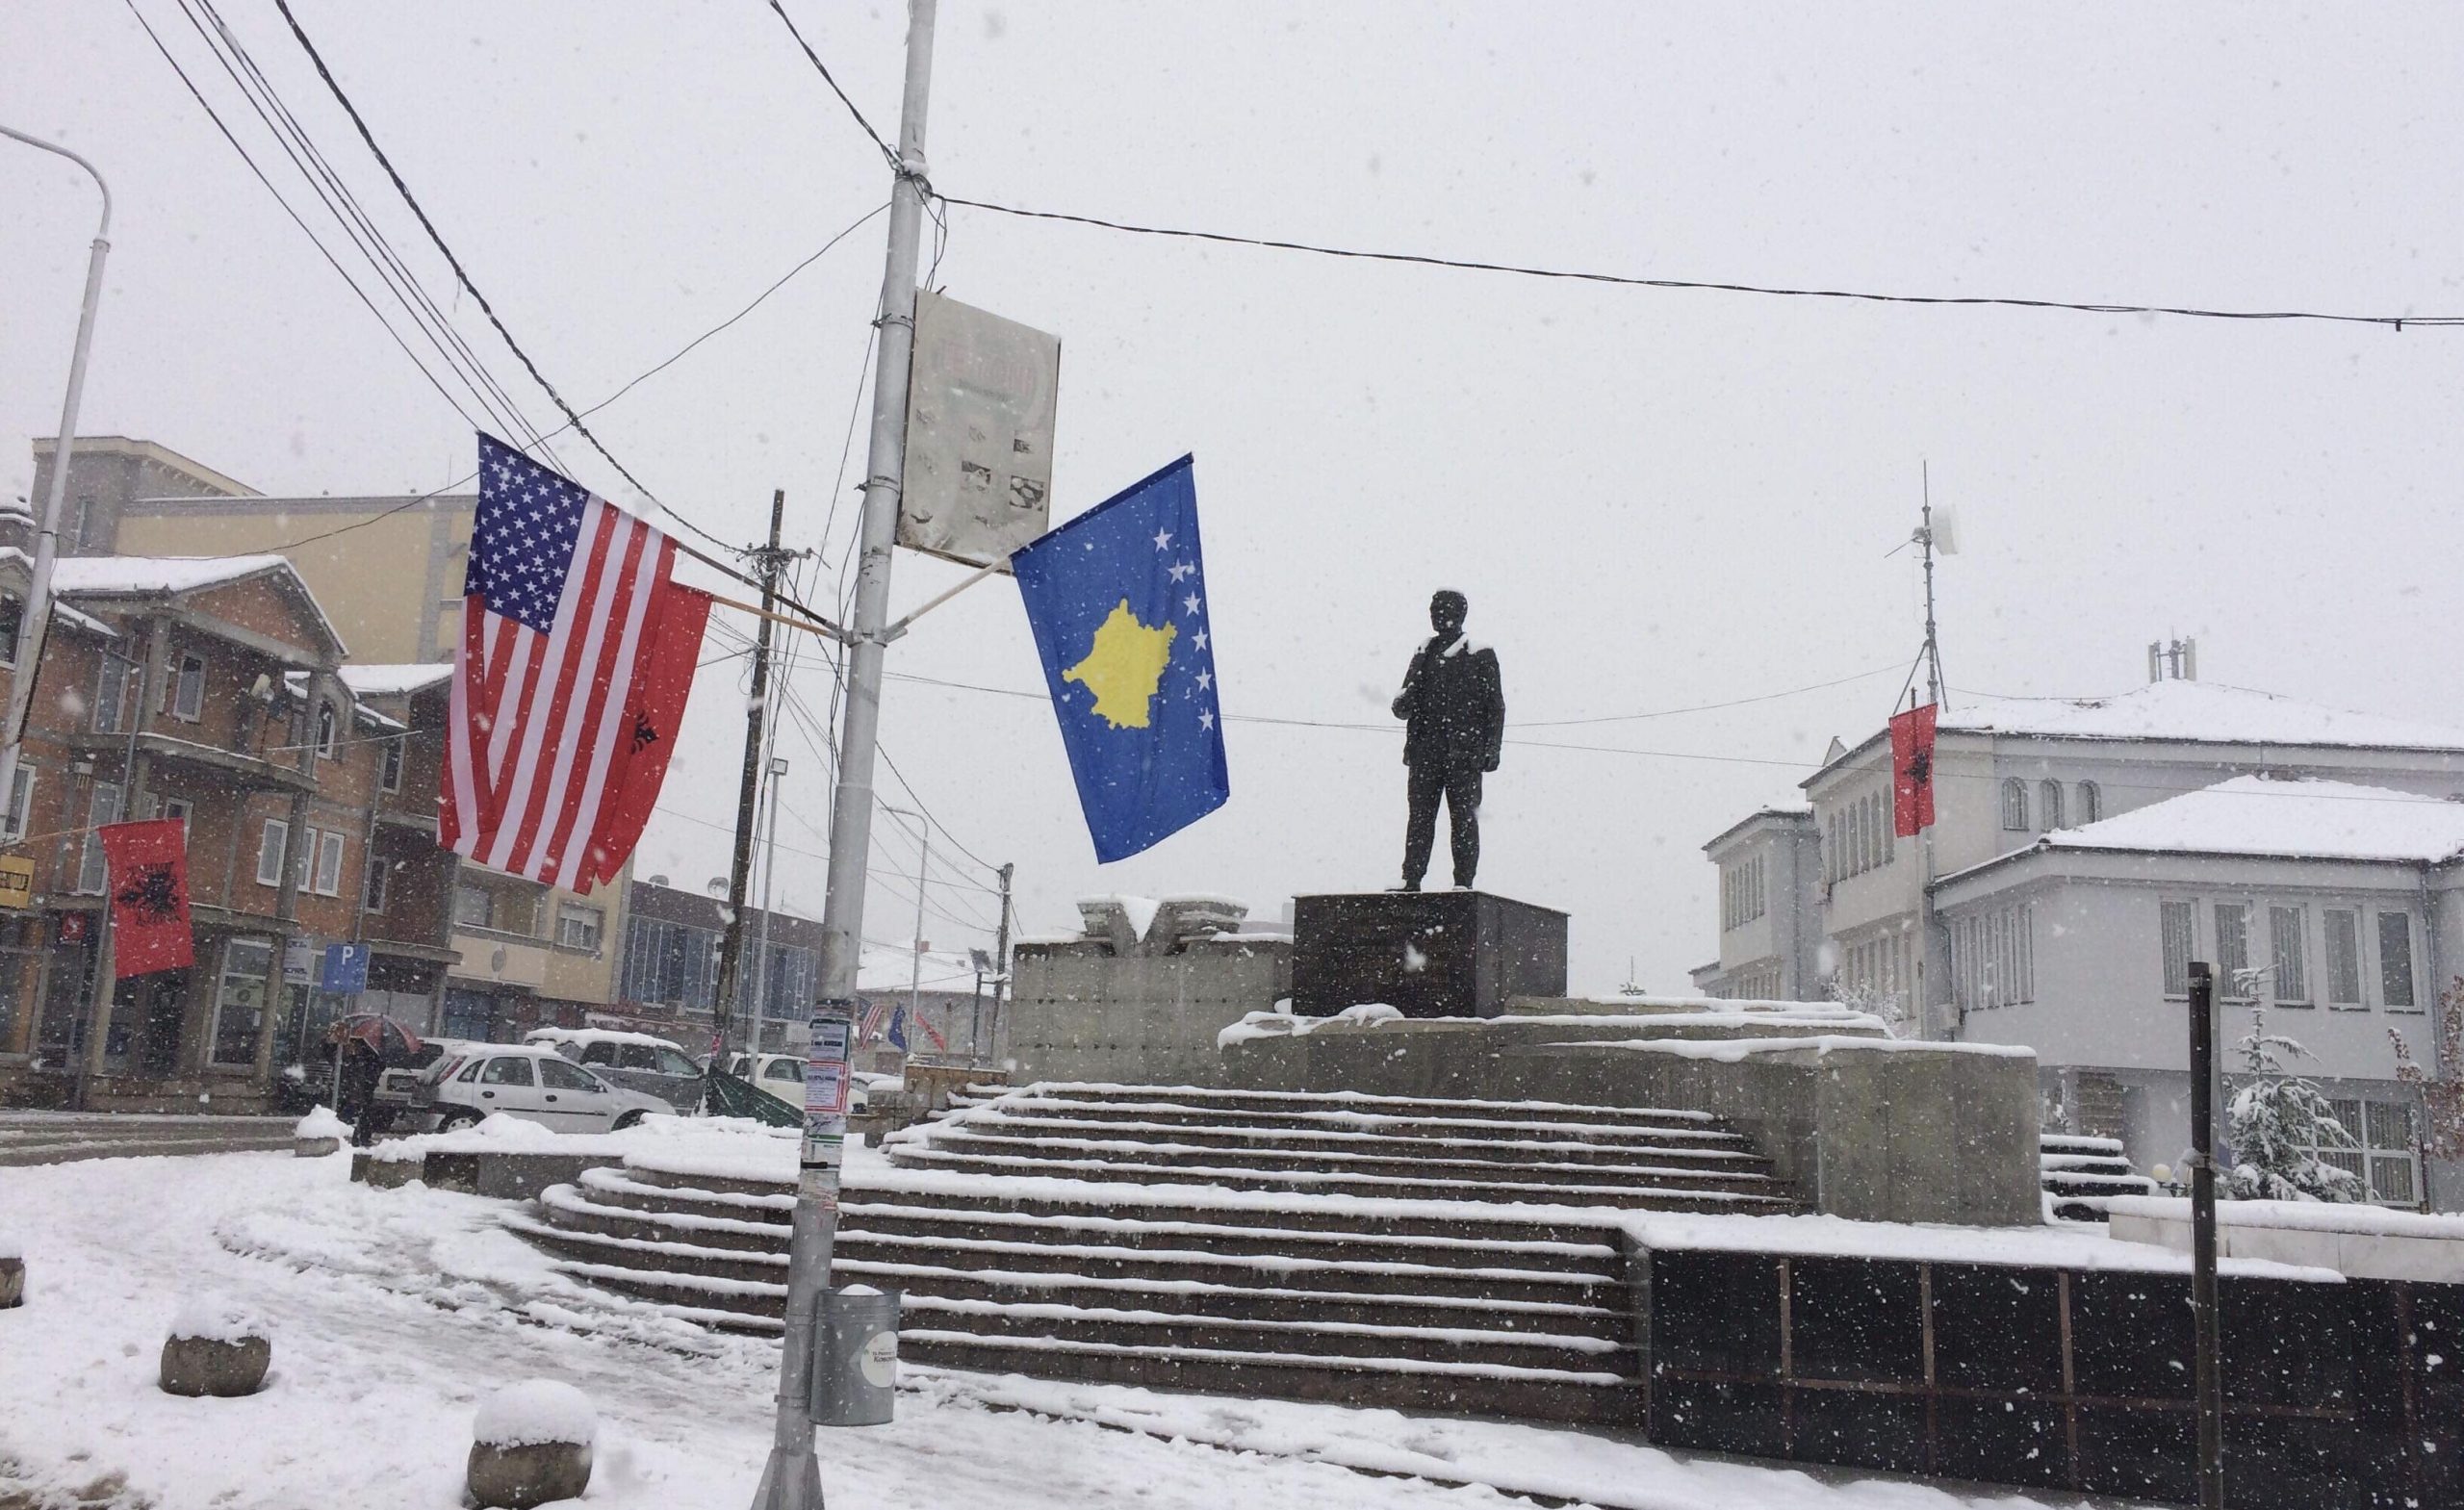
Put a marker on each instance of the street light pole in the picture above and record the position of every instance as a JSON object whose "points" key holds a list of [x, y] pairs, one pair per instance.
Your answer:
{"points": [[2207, 1375], [915, 945], [791, 1480], [35, 629]]}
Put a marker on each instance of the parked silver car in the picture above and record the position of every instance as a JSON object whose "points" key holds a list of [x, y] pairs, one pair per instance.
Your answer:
{"points": [[533, 1083], [636, 1061]]}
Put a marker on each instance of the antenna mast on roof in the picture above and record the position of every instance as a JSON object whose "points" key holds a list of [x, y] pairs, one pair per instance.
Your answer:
{"points": [[1930, 536]]}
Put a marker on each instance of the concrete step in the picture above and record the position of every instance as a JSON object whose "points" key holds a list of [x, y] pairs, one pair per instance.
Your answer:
{"points": [[1707, 1150], [652, 1255], [1164, 1203], [2079, 1144], [1395, 1115], [1446, 1162], [1314, 1337], [1201, 1266], [925, 1224], [1702, 1196], [576, 1210], [1603, 1399]]}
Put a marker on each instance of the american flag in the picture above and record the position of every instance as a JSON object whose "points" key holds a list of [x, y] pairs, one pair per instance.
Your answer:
{"points": [[577, 651]]}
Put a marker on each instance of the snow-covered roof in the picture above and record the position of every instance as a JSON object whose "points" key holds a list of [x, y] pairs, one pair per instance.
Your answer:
{"points": [[396, 680], [2194, 711], [148, 573], [2272, 816], [142, 576]]}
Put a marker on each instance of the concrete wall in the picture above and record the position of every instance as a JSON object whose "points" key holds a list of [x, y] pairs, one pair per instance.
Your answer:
{"points": [[1877, 1131], [1081, 1012]]}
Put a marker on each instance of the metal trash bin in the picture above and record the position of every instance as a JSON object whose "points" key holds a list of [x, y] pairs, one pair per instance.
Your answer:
{"points": [[854, 1357]]}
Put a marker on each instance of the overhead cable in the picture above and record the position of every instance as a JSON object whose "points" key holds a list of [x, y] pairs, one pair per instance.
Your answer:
{"points": [[823, 68], [1466, 265]]}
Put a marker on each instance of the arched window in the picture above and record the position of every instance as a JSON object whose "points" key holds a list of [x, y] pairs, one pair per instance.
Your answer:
{"points": [[2091, 803], [2014, 805], [2049, 804], [325, 730]]}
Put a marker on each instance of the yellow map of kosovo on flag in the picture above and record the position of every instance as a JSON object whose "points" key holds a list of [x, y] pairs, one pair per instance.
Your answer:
{"points": [[1124, 667]]}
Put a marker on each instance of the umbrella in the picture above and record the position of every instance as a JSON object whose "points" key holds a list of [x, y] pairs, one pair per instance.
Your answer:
{"points": [[394, 1043]]}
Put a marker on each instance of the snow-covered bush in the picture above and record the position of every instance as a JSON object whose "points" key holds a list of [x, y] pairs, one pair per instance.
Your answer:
{"points": [[1891, 1007], [2278, 1124]]}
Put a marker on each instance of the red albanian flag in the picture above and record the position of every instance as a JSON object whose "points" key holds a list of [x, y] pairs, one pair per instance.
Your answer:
{"points": [[1912, 771], [148, 866]]}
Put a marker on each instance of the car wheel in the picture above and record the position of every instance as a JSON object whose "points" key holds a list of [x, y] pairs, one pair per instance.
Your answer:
{"points": [[629, 1119], [458, 1118]]}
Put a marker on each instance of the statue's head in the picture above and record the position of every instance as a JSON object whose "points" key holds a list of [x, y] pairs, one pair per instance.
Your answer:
{"points": [[1447, 610]]}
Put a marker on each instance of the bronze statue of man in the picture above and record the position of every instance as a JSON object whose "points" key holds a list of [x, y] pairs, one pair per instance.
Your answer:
{"points": [[1453, 710]]}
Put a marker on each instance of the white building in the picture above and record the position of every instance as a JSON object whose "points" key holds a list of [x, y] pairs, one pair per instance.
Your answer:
{"points": [[2083, 852]]}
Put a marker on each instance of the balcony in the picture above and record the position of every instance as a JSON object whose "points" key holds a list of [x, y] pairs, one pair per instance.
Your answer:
{"points": [[251, 773]]}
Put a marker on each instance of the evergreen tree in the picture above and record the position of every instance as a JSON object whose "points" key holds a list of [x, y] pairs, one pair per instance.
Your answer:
{"points": [[2277, 1124]]}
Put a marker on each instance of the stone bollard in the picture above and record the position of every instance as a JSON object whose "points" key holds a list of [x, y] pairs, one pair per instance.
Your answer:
{"points": [[12, 1274], [319, 1133], [531, 1443], [216, 1350]]}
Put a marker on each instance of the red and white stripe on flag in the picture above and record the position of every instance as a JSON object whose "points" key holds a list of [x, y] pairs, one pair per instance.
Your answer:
{"points": [[545, 725]]}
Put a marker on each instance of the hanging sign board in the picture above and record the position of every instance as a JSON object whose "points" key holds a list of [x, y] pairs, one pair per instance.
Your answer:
{"points": [[16, 880], [980, 402]]}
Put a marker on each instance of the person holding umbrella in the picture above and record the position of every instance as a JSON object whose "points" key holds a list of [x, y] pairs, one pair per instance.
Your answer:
{"points": [[364, 1046]]}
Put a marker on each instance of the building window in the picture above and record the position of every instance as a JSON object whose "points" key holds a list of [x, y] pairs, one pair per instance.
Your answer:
{"points": [[270, 842], [2396, 960], [1993, 958], [2387, 1160], [2344, 957], [13, 624], [111, 695], [329, 864], [371, 894], [389, 776], [475, 907], [578, 927], [2091, 803], [178, 807], [2049, 804], [2179, 922], [188, 689], [2288, 929], [103, 807], [2015, 806], [2233, 951], [324, 731], [239, 1000], [21, 801]]}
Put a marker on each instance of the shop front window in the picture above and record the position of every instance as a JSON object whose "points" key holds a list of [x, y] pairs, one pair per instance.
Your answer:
{"points": [[239, 1000]]}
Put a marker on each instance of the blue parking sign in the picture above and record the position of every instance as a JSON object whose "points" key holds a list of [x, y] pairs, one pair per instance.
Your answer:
{"points": [[345, 971]]}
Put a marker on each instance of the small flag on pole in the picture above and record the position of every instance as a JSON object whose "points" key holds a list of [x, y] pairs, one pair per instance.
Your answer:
{"points": [[1119, 604], [1912, 771], [577, 653]]}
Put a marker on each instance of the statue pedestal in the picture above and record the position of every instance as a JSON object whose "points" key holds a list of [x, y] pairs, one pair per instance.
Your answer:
{"points": [[1428, 954]]}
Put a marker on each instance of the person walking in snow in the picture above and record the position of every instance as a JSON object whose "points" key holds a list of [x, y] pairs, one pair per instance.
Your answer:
{"points": [[1454, 710], [357, 1068]]}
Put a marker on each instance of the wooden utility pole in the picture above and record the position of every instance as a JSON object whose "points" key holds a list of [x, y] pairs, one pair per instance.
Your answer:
{"points": [[748, 799]]}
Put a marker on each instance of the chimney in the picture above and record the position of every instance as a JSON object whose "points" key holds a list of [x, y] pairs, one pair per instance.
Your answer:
{"points": [[2177, 661]]}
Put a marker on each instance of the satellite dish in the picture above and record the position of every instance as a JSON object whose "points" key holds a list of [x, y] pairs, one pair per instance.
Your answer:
{"points": [[1947, 532]]}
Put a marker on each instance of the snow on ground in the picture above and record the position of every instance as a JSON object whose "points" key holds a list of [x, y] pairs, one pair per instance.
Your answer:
{"points": [[397, 1312]]}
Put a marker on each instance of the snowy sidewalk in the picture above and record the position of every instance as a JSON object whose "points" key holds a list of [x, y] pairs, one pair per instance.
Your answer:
{"points": [[395, 1312]]}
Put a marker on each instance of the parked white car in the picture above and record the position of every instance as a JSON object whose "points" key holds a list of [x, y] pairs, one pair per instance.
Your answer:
{"points": [[634, 1060], [534, 1083], [782, 1078]]}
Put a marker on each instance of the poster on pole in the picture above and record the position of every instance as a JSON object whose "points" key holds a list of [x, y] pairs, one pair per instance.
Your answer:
{"points": [[981, 396]]}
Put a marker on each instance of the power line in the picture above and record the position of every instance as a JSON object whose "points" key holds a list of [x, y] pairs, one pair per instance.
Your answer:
{"points": [[258, 93], [462, 275], [1465, 265], [822, 69], [352, 283]]}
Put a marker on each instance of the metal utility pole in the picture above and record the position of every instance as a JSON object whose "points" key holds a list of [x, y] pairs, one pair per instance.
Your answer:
{"points": [[769, 879], [791, 1480], [34, 630], [915, 945], [1001, 959], [2209, 1377], [748, 796], [1925, 538]]}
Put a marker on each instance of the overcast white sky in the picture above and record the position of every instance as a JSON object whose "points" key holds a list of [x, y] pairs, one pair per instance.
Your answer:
{"points": [[1653, 500]]}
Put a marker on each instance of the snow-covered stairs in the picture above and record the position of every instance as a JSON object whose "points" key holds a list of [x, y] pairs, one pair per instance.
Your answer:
{"points": [[2084, 1174], [1431, 1255]]}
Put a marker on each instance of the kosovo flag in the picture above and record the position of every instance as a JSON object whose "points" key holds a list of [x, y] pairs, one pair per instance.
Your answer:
{"points": [[1118, 601]]}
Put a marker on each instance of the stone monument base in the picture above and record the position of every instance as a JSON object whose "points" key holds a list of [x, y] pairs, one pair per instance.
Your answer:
{"points": [[1427, 954]]}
